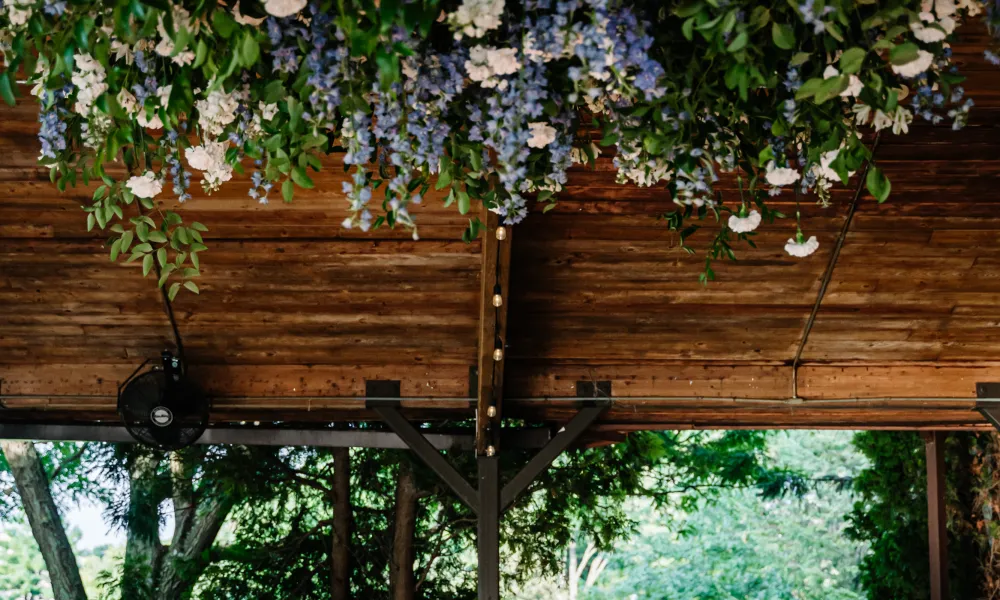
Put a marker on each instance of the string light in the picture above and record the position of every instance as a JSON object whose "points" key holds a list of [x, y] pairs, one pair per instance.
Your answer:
{"points": [[490, 450], [498, 349], [491, 411], [501, 233], [497, 296]]}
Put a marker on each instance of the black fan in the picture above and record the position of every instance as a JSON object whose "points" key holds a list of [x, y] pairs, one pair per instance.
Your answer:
{"points": [[161, 408]]}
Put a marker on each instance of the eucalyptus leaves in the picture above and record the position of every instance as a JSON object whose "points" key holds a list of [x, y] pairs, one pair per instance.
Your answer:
{"points": [[480, 98]]}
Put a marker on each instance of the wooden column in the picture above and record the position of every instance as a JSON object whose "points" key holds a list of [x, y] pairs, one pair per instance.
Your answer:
{"points": [[492, 326], [936, 518]]}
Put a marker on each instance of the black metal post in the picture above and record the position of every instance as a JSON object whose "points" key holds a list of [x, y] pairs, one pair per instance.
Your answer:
{"points": [[489, 528]]}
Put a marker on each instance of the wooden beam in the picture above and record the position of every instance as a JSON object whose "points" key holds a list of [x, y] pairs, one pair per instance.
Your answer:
{"points": [[492, 332], [937, 520]]}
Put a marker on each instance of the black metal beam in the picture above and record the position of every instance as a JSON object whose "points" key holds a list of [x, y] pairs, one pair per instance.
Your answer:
{"points": [[488, 538], [269, 436], [541, 461], [428, 453], [988, 405]]}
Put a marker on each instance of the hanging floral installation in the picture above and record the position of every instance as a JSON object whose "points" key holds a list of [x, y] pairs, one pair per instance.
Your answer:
{"points": [[489, 101]]}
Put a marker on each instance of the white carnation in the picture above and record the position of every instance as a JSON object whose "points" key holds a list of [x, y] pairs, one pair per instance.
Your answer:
{"points": [[916, 66], [801, 249], [284, 8], [854, 85], [145, 186], [542, 134], [744, 224], [268, 111], [881, 121], [779, 176]]}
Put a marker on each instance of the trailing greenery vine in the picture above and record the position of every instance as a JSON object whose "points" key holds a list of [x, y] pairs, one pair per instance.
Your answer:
{"points": [[481, 99]]}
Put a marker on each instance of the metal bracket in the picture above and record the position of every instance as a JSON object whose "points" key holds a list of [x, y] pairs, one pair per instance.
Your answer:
{"points": [[988, 404]]}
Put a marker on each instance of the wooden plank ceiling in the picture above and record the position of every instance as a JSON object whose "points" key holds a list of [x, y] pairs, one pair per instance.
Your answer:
{"points": [[296, 313]]}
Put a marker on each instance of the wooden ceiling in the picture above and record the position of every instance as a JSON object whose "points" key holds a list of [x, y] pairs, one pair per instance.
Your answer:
{"points": [[297, 313]]}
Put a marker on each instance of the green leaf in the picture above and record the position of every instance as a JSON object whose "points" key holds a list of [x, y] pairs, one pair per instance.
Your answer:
{"points": [[738, 43], [147, 264], [851, 60], [759, 17], [198, 226], [904, 53], [443, 180], [464, 203], [6, 90], [800, 58], [192, 286], [174, 288], [287, 190], [126, 241], [249, 50], [302, 179], [878, 184], [157, 236], [223, 23], [161, 256], [783, 36], [116, 249]]}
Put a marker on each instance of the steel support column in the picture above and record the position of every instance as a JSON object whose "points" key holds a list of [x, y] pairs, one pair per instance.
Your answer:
{"points": [[936, 518]]}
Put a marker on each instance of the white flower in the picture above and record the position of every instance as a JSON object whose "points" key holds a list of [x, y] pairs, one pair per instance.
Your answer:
{"points": [[744, 224], [925, 33], [122, 51], [542, 134], [916, 66], [216, 111], [210, 158], [127, 101], [147, 122], [579, 155], [19, 11], [475, 17], [901, 121], [245, 20], [801, 249], [945, 8], [182, 20], [854, 85], [268, 111], [145, 186], [781, 175], [88, 77], [862, 112], [486, 63], [881, 121], [284, 8]]}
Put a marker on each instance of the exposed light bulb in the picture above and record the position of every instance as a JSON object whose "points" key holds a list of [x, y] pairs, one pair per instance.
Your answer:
{"points": [[490, 450], [491, 411], [501, 233], [498, 354], [497, 300]]}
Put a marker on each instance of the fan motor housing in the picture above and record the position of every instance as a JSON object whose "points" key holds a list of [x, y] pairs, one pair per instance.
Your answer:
{"points": [[162, 408]]}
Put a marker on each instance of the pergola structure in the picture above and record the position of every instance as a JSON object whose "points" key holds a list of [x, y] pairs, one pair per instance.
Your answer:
{"points": [[604, 327]]}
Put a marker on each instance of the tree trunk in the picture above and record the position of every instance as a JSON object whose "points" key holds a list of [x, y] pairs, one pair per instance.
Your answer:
{"points": [[572, 571], [340, 553], [46, 526], [402, 582], [143, 551]]}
